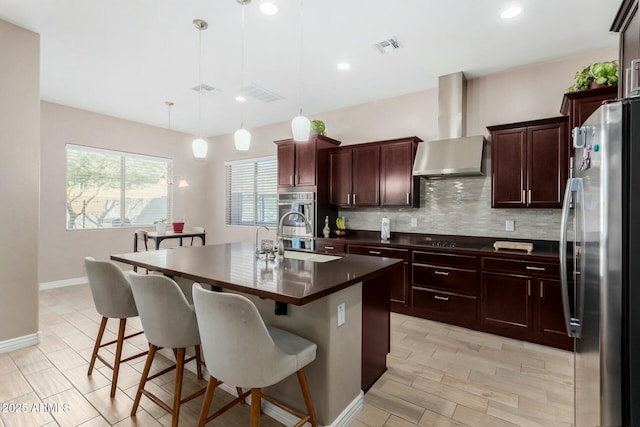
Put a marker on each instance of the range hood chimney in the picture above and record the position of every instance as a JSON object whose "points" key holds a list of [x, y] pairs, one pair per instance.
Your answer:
{"points": [[453, 153]]}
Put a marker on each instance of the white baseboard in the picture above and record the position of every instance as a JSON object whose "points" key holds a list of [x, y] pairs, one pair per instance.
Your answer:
{"points": [[63, 283], [20, 342]]}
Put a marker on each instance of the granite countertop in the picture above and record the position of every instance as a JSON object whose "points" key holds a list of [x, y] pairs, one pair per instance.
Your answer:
{"points": [[484, 245], [234, 266]]}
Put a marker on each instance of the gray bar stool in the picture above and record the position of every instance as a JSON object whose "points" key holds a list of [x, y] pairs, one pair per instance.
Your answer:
{"points": [[113, 300], [240, 349], [169, 321]]}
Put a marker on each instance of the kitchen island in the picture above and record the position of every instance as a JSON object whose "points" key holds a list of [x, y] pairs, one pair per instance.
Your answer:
{"points": [[349, 358]]}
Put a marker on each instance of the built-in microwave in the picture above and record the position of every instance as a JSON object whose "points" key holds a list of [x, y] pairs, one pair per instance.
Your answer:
{"points": [[294, 232]]}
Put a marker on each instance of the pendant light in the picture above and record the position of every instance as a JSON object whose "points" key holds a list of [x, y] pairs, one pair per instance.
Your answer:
{"points": [[242, 137], [169, 104], [300, 125], [199, 145]]}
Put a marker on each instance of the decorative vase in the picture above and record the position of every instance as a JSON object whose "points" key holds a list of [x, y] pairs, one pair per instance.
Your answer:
{"points": [[161, 227], [326, 231], [178, 227]]}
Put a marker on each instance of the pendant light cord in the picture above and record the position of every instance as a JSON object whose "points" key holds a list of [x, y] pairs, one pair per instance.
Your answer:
{"points": [[300, 62], [242, 72], [200, 83]]}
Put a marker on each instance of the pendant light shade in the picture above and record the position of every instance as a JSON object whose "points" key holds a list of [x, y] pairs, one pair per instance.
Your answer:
{"points": [[200, 148], [301, 128], [242, 139]]}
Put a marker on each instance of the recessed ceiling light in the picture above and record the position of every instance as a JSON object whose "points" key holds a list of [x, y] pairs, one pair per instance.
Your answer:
{"points": [[268, 8], [511, 12], [241, 98], [344, 66]]}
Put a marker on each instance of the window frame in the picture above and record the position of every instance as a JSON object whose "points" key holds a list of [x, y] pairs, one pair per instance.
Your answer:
{"points": [[123, 156], [227, 190]]}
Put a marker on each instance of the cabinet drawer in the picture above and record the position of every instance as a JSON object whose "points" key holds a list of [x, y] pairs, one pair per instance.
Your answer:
{"points": [[459, 307], [330, 247], [520, 267], [445, 278], [451, 260], [379, 251]]}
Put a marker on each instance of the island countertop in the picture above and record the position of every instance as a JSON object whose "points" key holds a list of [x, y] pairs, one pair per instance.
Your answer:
{"points": [[235, 266]]}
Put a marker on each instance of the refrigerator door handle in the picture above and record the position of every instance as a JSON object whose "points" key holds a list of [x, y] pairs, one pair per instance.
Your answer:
{"points": [[573, 325]]}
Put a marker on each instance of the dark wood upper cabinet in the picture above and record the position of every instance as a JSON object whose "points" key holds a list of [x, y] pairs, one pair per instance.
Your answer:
{"points": [[396, 172], [529, 164], [578, 106], [374, 174], [627, 23], [299, 163]]}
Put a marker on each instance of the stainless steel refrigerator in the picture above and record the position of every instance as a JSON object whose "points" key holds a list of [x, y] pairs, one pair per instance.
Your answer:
{"points": [[600, 266]]}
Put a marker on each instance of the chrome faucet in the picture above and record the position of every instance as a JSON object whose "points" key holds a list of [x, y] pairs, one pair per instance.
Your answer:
{"points": [[258, 249], [307, 225]]}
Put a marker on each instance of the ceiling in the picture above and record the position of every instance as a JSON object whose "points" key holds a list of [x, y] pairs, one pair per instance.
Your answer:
{"points": [[126, 58]]}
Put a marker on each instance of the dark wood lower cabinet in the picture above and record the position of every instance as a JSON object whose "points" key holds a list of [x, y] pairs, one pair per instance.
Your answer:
{"points": [[505, 304], [550, 325], [443, 306]]}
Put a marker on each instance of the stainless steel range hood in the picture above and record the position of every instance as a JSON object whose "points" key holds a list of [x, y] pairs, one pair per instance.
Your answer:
{"points": [[454, 153]]}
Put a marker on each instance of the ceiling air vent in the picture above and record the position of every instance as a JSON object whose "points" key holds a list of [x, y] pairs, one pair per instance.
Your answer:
{"points": [[388, 45], [206, 89], [260, 93]]}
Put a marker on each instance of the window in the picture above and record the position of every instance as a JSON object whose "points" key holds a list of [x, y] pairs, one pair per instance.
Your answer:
{"points": [[107, 189], [251, 187]]}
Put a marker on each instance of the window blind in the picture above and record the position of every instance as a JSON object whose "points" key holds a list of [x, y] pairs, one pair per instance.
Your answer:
{"points": [[107, 189], [251, 192]]}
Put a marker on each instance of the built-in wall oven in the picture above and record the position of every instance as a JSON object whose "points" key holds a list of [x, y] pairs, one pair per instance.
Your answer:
{"points": [[294, 232]]}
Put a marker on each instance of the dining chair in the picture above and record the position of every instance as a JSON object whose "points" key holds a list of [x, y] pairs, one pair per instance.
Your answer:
{"points": [[169, 321], [240, 349], [140, 235], [113, 299]]}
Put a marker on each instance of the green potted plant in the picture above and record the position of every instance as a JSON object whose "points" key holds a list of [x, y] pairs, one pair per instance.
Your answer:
{"points": [[596, 75], [317, 126]]}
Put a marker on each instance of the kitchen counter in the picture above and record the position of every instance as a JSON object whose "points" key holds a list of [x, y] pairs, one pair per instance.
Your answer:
{"points": [[234, 266], [541, 248]]}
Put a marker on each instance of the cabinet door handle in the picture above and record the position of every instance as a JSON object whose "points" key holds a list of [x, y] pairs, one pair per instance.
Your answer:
{"points": [[375, 252], [528, 287], [529, 196], [442, 273], [298, 179], [408, 199], [354, 198], [541, 289], [535, 268], [290, 179], [524, 196], [441, 298], [329, 247], [348, 199]]}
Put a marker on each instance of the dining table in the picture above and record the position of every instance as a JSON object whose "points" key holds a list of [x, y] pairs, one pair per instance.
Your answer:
{"points": [[159, 237]]}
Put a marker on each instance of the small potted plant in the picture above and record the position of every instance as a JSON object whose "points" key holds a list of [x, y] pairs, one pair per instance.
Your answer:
{"points": [[596, 75], [317, 126], [161, 226]]}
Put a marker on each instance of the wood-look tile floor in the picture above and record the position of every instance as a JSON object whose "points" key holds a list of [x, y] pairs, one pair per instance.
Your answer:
{"points": [[438, 375]]}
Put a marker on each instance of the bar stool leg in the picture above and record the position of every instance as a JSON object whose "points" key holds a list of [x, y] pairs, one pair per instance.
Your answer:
{"points": [[206, 404], [304, 385], [255, 407], [103, 325], [143, 377], [198, 362], [178, 389], [116, 363]]}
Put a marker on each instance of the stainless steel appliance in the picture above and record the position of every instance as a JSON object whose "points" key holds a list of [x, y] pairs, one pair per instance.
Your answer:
{"points": [[600, 278], [294, 231]]}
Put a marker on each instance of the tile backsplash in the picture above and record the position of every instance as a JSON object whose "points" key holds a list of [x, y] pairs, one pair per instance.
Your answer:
{"points": [[459, 206]]}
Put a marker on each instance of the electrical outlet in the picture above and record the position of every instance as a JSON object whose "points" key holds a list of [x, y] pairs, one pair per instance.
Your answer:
{"points": [[510, 225], [341, 314], [414, 222]]}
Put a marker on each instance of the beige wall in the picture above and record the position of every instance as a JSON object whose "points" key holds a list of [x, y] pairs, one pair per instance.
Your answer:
{"points": [[62, 251], [524, 93], [19, 163]]}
